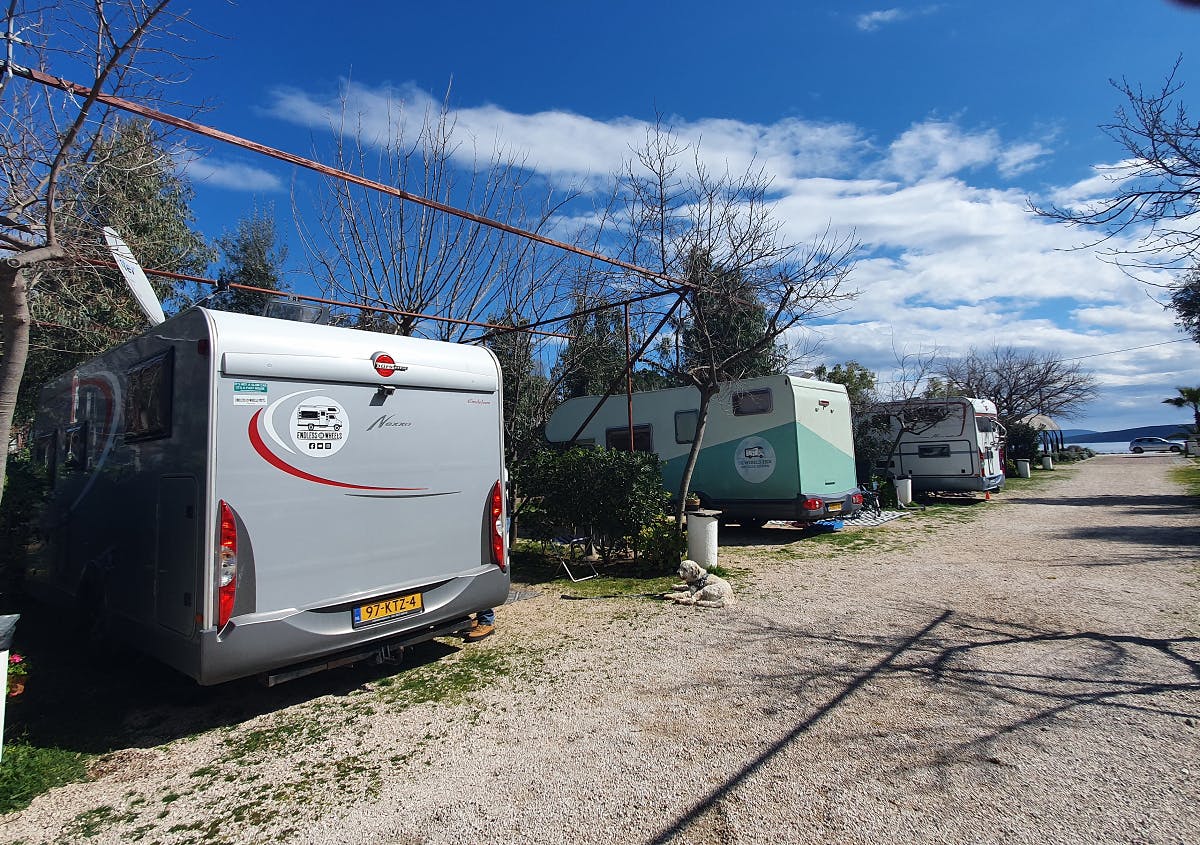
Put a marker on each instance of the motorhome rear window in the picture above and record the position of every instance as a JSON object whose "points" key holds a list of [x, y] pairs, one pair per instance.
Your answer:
{"points": [[685, 426], [618, 438], [985, 424], [934, 450], [148, 398], [752, 402]]}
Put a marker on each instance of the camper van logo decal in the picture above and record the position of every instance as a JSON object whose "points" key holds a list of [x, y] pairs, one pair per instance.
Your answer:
{"points": [[319, 427], [754, 459], [385, 364], [261, 422]]}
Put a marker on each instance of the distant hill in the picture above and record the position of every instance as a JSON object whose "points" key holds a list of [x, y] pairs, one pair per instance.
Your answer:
{"points": [[1076, 432], [1123, 434]]}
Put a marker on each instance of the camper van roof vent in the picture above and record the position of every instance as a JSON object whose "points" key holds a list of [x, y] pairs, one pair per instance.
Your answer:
{"points": [[290, 308]]}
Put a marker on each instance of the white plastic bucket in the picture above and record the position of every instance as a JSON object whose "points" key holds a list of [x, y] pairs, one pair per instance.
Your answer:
{"points": [[1023, 468], [702, 537], [904, 491], [1047, 462]]}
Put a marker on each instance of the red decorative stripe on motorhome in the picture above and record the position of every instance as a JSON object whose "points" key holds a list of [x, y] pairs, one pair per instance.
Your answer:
{"points": [[279, 463]]}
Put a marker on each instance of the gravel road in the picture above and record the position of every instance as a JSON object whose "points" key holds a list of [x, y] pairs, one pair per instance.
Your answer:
{"points": [[1023, 670]]}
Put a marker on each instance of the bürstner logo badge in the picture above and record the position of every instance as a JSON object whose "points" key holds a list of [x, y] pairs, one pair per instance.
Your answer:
{"points": [[385, 364]]}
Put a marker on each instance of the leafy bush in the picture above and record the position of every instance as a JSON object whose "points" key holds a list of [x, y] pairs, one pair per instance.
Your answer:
{"points": [[661, 542], [610, 494], [1023, 441], [24, 493]]}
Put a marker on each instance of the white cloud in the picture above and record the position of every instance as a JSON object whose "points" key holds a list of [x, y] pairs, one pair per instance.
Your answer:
{"points": [[952, 260], [231, 175], [936, 149], [873, 20]]}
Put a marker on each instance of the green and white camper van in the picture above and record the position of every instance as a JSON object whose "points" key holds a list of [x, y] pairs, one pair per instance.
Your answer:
{"points": [[775, 447]]}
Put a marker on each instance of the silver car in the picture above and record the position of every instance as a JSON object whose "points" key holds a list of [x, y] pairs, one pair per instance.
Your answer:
{"points": [[1154, 444]]}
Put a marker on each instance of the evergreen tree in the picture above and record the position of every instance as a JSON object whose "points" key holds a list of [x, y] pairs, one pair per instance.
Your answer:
{"points": [[251, 256], [129, 183]]}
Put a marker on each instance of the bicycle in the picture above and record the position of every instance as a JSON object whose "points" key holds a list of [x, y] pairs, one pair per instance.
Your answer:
{"points": [[870, 505]]}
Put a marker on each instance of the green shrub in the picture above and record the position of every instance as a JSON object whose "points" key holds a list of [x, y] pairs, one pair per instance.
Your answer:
{"points": [[661, 543], [24, 493], [609, 494]]}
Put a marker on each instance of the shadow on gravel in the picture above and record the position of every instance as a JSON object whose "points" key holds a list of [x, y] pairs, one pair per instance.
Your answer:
{"points": [[82, 699], [982, 663], [1163, 504], [1149, 535]]}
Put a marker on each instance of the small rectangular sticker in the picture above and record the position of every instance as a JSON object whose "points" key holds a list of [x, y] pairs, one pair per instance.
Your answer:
{"points": [[249, 400], [249, 387]]}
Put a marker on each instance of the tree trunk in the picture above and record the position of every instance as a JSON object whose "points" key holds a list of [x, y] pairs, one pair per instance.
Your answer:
{"points": [[14, 309], [706, 395]]}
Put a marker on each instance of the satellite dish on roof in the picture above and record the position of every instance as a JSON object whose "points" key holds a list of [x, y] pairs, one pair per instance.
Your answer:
{"points": [[135, 277]]}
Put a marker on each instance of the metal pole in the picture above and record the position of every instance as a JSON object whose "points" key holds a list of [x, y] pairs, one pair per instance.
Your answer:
{"points": [[613, 384], [628, 378]]}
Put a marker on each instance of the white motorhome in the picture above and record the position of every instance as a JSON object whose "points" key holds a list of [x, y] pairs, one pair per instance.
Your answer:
{"points": [[951, 445], [775, 447], [240, 495]]}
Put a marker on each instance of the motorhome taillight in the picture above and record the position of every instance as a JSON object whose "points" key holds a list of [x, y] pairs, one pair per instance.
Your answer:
{"points": [[226, 565], [814, 504], [982, 466], [496, 525], [856, 498]]}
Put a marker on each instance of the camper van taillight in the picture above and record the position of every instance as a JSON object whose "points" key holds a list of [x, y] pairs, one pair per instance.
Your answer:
{"points": [[496, 525], [814, 504], [226, 566]]}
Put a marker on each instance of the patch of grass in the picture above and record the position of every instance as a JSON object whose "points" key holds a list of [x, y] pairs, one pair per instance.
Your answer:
{"points": [[92, 822], [28, 770], [1188, 476], [448, 680]]}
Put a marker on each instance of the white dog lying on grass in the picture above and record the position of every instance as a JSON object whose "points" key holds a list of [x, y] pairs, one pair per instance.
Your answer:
{"points": [[700, 588]]}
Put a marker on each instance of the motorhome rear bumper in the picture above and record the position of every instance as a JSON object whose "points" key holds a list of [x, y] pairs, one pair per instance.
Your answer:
{"points": [[250, 646], [789, 510], [957, 483]]}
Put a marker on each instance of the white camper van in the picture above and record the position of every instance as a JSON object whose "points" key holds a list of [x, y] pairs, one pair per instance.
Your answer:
{"points": [[241, 495], [948, 445], [775, 447]]}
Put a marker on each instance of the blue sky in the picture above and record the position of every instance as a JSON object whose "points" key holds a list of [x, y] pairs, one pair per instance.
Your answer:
{"points": [[924, 127]]}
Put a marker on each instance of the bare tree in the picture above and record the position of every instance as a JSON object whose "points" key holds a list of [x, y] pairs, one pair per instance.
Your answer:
{"points": [[381, 251], [748, 285], [46, 138], [1156, 186], [1022, 383]]}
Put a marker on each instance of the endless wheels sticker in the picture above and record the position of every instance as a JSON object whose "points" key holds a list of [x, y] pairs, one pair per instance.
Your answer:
{"points": [[754, 459], [320, 426]]}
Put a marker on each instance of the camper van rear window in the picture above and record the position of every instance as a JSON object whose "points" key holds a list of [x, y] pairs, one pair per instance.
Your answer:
{"points": [[934, 450], [685, 426], [148, 398], [618, 438], [752, 402]]}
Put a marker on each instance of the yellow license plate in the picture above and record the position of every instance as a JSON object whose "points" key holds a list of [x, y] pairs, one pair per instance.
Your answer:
{"points": [[367, 614], [833, 507]]}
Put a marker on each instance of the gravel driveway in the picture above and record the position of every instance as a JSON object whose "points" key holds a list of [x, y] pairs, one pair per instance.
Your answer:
{"points": [[1024, 670]]}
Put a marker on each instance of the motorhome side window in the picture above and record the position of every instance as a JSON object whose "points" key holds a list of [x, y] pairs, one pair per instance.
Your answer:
{"points": [[618, 438], [752, 402], [685, 426], [148, 398]]}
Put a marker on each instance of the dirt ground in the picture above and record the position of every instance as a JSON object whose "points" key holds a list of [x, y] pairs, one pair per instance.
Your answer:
{"points": [[1021, 670]]}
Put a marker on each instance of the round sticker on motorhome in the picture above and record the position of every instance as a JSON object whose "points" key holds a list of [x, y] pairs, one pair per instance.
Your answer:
{"points": [[320, 426], [754, 459]]}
